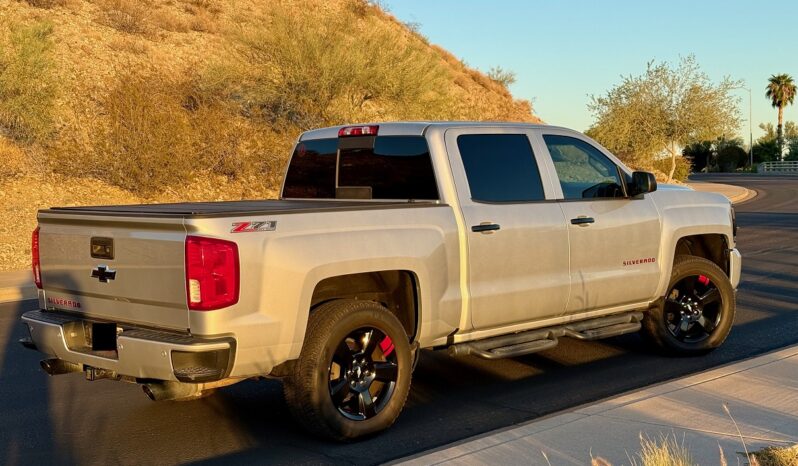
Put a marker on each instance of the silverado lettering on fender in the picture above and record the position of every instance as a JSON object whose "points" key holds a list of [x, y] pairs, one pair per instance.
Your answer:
{"points": [[489, 239]]}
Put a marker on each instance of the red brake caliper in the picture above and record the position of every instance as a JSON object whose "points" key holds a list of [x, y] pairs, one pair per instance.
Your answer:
{"points": [[703, 279], [386, 345]]}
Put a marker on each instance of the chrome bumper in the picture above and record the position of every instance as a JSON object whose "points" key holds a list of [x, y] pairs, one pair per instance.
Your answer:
{"points": [[140, 353]]}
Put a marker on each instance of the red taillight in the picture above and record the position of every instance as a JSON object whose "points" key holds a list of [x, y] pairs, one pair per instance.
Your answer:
{"points": [[212, 273], [358, 131], [34, 252]]}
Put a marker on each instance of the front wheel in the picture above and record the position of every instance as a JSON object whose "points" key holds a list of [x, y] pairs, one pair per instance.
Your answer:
{"points": [[353, 375], [697, 312]]}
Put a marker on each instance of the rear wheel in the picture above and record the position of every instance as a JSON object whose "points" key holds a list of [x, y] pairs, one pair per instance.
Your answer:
{"points": [[353, 375], [697, 313]]}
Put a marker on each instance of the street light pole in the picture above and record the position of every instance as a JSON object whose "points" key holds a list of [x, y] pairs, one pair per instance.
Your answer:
{"points": [[750, 129], [750, 126]]}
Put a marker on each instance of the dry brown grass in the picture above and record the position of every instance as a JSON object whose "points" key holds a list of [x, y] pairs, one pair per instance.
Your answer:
{"points": [[28, 83], [159, 133], [169, 100], [130, 16], [167, 20], [47, 4], [129, 44], [777, 456]]}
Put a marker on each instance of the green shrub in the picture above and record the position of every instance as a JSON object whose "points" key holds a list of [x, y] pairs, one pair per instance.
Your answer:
{"points": [[730, 158], [683, 167], [335, 68], [27, 83]]}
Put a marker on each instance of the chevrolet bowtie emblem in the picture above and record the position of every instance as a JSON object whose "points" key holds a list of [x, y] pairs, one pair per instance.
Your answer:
{"points": [[103, 273]]}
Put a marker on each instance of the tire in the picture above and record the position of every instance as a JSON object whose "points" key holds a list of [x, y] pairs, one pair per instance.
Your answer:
{"points": [[354, 351], [697, 312]]}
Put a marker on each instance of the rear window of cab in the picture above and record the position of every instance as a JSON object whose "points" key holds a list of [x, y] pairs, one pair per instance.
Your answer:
{"points": [[396, 167]]}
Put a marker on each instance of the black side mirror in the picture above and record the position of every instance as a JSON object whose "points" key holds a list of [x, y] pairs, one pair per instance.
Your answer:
{"points": [[642, 182]]}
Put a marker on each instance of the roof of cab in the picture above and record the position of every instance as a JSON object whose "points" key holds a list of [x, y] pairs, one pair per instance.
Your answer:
{"points": [[412, 128]]}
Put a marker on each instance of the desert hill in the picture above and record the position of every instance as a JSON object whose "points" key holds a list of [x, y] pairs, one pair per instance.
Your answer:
{"points": [[119, 101]]}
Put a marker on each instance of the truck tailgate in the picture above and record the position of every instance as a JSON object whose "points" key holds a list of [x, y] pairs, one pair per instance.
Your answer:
{"points": [[122, 269]]}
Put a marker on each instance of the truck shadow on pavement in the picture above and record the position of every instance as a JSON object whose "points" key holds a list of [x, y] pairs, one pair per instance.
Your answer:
{"points": [[26, 434]]}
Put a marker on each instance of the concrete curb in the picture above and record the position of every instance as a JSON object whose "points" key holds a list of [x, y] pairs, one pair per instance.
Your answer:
{"points": [[749, 194], [12, 294], [16, 286], [735, 194]]}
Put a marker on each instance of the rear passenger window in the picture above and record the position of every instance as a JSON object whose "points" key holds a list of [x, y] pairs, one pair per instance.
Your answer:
{"points": [[584, 172], [500, 167]]}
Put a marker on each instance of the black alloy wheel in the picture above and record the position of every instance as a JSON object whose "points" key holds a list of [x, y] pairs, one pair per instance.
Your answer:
{"points": [[692, 308], [697, 313], [363, 373], [353, 374]]}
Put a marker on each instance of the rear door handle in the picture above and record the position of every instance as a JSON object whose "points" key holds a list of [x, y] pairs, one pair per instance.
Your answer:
{"points": [[582, 220], [486, 227]]}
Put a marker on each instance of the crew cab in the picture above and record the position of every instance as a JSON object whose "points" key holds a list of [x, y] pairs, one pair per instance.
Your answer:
{"points": [[486, 239]]}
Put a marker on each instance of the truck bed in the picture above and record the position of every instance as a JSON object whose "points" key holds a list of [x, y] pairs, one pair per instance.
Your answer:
{"points": [[232, 208]]}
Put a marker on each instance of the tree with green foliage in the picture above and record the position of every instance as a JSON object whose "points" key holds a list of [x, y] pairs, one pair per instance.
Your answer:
{"points": [[662, 111], [699, 154], [781, 92], [766, 148]]}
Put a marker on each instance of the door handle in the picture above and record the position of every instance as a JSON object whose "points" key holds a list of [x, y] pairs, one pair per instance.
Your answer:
{"points": [[486, 227], [582, 220]]}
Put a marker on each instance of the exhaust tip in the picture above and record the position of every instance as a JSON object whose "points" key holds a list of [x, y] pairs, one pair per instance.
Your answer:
{"points": [[46, 366], [57, 366], [148, 392]]}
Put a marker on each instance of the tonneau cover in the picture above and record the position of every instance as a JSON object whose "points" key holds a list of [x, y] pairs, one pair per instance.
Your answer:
{"points": [[227, 208]]}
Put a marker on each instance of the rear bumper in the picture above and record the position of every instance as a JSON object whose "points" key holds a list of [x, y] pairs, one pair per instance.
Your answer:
{"points": [[735, 267], [140, 353]]}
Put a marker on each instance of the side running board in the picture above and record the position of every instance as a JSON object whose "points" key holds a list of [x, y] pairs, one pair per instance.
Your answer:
{"points": [[532, 341]]}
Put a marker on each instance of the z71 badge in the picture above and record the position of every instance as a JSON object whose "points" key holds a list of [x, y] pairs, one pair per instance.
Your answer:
{"points": [[249, 227]]}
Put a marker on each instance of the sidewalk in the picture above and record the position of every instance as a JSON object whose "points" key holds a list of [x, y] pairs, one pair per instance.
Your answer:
{"points": [[16, 286], [735, 194], [761, 394]]}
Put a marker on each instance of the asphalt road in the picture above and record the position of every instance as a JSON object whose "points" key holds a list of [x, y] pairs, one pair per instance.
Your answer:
{"points": [[67, 420]]}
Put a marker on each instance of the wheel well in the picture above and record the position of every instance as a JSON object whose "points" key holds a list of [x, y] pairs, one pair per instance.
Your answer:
{"points": [[394, 289], [708, 246]]}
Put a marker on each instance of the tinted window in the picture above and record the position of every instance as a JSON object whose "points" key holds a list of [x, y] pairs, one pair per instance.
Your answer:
{"points": [[397, 167], [311, 173], [500, 167], [584, 172]]}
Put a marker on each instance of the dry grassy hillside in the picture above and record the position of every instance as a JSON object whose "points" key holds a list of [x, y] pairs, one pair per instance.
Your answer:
{"points": [[119, 101]]}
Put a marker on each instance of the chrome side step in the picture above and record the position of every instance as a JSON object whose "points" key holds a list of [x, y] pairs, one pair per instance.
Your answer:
{"points": [[532, 341]]}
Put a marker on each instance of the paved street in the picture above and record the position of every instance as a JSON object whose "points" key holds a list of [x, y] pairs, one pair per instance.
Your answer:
{"points": [[67, 420]]}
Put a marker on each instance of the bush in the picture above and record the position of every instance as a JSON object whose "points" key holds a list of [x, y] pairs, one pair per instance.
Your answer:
{"points": [[683, 167], [730, 158], [27, 84], [336, 68], [130, 16], [158, 136], [502, 76], [46, 4]]}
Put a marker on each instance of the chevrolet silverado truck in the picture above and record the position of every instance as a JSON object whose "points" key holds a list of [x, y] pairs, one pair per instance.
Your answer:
{"points": [[487, 239]]}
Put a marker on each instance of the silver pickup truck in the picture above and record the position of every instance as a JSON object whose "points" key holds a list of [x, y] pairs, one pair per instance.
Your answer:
{"points": [[484, 239]]}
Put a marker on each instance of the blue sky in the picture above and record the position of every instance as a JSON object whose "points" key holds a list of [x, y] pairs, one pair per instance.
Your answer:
{"points": [[562, 52]]}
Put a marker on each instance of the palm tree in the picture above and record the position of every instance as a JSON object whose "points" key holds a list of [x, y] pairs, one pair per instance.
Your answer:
{"points": [[781, 92]]}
